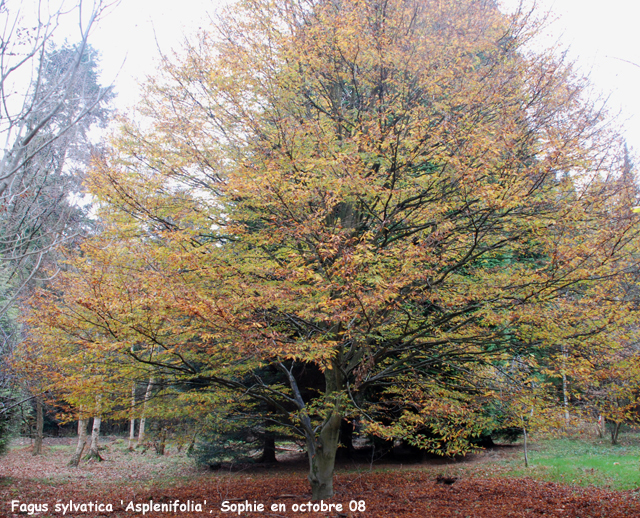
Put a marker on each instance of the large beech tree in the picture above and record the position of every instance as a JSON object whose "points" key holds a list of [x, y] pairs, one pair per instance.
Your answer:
{"points": [[379, 195]]}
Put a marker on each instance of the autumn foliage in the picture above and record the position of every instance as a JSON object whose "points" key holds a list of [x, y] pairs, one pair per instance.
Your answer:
{"points": [[351, 210]]}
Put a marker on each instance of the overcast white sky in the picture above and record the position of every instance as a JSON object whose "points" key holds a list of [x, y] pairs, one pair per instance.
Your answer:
{"points": [[602, 35]]}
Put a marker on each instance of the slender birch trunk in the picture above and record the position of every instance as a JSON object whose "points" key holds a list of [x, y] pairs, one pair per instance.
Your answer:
{"points": [[600, 427], [526, 455], [95, 436], [132, 433], [37, 445], [94, 452], [565, 394], [143, 419], [132, 422], [82, 440]]}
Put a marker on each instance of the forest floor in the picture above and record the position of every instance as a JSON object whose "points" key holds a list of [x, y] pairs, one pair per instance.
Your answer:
{"points": [[488, 484]]}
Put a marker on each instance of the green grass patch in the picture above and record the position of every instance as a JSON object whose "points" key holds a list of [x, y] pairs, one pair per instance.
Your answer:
{"points": [[582, 462], [59, 447]]}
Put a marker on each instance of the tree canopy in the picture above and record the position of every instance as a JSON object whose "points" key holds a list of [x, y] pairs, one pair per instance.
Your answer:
{"points": [[50, 98], [351, 209]]}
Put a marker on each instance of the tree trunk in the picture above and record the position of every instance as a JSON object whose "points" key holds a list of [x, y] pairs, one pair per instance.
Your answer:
{"points": [[143, 423], [132, 422], [565, 392], [269, 441], [322, 450], [37, 445], [345, 447], [162, 441], [143, 419], [132, 433], [615, 430], [565, 398], [600, 427], [322, 447], [526, 455], [192, 444], [95, 433], [82, 440], [94, 452], [269, 447], [322, 460]]}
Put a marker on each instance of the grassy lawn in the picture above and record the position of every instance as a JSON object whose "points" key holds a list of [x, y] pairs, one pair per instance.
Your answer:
{"points": [[582, 462]]}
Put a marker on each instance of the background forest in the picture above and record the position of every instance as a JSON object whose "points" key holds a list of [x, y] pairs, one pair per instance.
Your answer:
{"points": [[390, 220]]}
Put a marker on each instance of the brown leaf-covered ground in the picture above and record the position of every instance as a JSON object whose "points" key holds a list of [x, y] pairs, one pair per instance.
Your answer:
{"points": [[390, 490]]}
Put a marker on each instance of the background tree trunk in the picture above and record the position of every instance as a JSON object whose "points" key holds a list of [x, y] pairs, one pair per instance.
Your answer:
{"points": [[132, 433], [132, 422], [345, 446], [565, 394], [82, 440], [192, 444], [615, 431], [162, 441], [269, 442], [94, 452], [269, 447], [600, 427], [526, 454], [143, 419], [143, 422]]}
